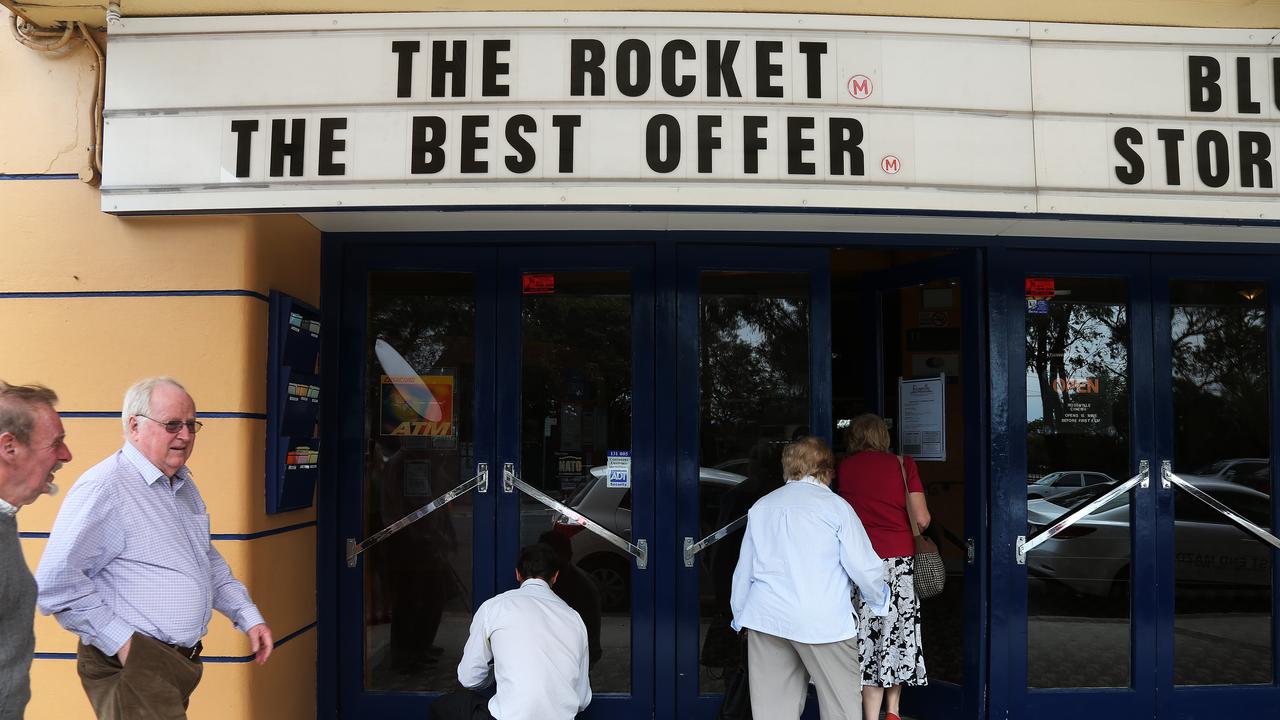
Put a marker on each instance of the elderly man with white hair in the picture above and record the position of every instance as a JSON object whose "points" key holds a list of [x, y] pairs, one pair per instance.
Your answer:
{"points": [[131, 570]]}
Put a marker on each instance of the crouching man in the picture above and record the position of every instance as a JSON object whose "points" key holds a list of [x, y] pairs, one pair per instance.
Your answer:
{"points": [[532, 644]]}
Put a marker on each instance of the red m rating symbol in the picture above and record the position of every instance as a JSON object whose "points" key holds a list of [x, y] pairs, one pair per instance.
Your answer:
{"points": [[860, 87]]}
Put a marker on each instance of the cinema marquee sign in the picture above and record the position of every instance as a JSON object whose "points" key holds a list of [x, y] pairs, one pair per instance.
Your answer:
{"points": [[462, 109]]}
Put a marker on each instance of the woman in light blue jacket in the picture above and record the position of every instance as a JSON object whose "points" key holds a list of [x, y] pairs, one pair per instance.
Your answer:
{"points": [[803, 553]]}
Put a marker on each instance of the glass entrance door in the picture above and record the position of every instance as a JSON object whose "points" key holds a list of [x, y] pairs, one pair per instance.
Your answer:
{"points": [[1136, 590], [924, 321], [501, 396], [753, 373], [1216, 399]]}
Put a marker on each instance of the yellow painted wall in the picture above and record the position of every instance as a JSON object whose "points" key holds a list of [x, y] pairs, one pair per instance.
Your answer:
{"points": [[1191, 13], [89, 343]]}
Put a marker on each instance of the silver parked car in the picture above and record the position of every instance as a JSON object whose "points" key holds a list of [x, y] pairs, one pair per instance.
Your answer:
{"points": [[1065, 481], [1092, 556]]}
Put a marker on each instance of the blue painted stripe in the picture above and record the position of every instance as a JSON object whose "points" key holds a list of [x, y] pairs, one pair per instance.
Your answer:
{"points": [[52, 176], [137, 293], [208, 659], [212, 536], [249, 657], [202, 415], [262, 534]]}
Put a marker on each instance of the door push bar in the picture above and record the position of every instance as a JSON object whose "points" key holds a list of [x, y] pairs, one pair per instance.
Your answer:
{"points": [[1166, 474], [692, 548], [479, 483], [1026, 544], [639, 551]]}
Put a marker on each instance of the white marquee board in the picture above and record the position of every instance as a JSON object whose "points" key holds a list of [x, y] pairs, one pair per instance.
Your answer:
{"points": [[689, 110]]}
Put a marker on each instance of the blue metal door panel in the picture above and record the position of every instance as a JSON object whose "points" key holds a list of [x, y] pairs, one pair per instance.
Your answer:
{"points": [[942, 699], [1153, 692], [638, 261], [359, 261], [692, 261], [1189, 702], [1010, 694]]}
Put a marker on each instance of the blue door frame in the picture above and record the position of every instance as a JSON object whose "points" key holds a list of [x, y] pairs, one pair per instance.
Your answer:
{"points": [[941, 699], [361, 260], [1152, 693], [692, 261], [497, 272], [512, 264], [1193, 702]]}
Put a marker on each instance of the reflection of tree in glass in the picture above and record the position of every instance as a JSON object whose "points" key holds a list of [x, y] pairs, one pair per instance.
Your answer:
{"points": [[755, 370], [576, 349], [1073, 344], [1077, 341], [1219, 383]]}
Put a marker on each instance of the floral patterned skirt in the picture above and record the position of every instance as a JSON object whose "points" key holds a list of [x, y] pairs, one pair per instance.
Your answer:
{"points": [[889, 647]]}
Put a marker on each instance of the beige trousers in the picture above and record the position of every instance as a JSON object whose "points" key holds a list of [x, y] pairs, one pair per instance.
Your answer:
{"points": [[779, 671]]}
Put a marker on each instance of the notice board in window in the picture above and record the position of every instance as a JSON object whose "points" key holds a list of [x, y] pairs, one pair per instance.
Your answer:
{"points": [[293, 404], [922, 411]]}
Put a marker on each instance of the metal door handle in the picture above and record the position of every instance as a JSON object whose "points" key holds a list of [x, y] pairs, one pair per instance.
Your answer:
{"points": [[1025, 544], [1166, 470], [479, 480], [692, 548], [639, 551]]}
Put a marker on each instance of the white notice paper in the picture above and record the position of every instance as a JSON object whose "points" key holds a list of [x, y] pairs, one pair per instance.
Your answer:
{"points": [[922, 428]]}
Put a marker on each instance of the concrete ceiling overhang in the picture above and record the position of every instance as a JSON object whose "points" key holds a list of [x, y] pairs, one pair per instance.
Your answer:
{"points": [[1176, 13]]}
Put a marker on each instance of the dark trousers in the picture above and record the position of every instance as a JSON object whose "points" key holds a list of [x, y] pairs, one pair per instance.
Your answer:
{"points": [[461, 705], [155, 684]]}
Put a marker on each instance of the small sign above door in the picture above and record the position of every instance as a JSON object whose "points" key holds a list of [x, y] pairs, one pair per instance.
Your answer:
{"points": [[539, 283]]}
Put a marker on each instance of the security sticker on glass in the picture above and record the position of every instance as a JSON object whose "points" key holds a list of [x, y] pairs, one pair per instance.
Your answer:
{"points": [[619, 467]]}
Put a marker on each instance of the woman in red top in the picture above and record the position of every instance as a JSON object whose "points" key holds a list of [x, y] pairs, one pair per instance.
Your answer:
{"points": [[871, 479]]}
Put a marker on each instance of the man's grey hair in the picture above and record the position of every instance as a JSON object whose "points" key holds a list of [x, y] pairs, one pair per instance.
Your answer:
{"points": [[137, 399], [18, 404]]}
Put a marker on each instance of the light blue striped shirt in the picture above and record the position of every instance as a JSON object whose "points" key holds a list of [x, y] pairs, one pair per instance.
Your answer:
{"points": [[131, 552], [803, 552]]}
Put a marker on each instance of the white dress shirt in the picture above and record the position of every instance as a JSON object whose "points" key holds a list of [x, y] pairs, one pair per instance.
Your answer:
{"points": [[803, 552], [538, 647]]}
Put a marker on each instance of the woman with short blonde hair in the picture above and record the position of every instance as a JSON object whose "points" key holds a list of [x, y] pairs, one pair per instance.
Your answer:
{"points": [[808, 456], [802, 554]]}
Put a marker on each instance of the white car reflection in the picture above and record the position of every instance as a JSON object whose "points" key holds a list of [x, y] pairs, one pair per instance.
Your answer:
{"points": [[1092, 556], [1065, 481], [606, 564]]}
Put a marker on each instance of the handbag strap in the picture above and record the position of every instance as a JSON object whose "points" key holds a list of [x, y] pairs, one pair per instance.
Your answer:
{"points": [[915, 529]]}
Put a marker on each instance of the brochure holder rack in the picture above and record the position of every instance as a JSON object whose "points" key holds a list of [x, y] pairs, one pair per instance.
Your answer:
{"points": [[293, 404]]}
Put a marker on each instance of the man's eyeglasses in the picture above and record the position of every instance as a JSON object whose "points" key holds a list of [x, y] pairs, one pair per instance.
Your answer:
{"points": [[174, 426]]}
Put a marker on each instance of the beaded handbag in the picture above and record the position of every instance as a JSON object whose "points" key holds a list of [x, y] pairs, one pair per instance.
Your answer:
{"points": [[930, 573]]}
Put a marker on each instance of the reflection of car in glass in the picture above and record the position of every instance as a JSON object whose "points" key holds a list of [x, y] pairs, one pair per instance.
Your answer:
{"points": [[1092, 556], [607, 565], [737, 466], [1250, 472], [1065, 481]]}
